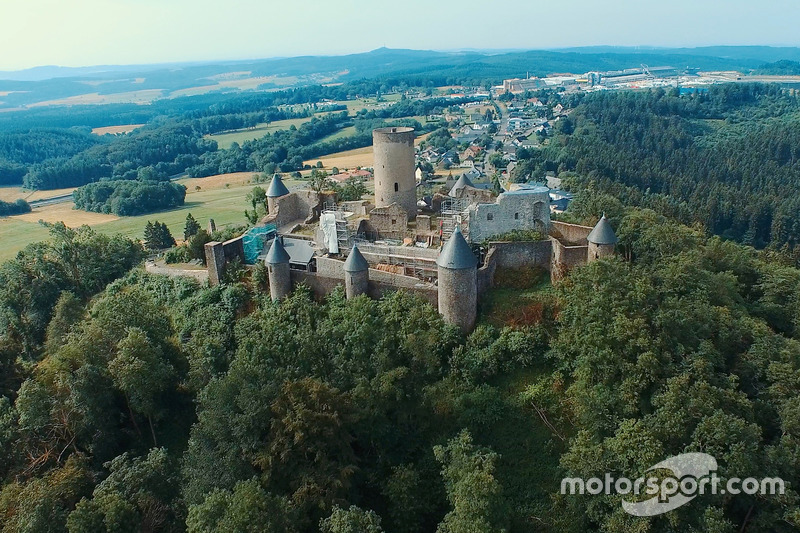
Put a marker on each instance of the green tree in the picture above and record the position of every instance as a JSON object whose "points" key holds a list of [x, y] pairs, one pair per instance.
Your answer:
{"points": [[139, 494], [140, 371], [248, 508], [157, 236], [472, 489], [352, 189], [352, 520], [190, 228], [319, 180]]}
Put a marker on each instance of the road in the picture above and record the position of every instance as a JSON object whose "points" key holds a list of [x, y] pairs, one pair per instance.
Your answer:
{"points": [[53, 200]]}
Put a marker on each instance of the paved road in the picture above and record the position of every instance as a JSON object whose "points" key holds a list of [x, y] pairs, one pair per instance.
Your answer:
{"points": [[50, 201]]}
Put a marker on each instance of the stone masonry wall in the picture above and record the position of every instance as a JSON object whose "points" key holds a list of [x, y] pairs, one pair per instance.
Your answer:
{"points": [[522, 254], [511, 211], [566, 257], [570, 233]]}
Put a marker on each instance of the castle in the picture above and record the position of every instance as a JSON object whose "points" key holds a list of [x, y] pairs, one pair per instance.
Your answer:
{"points": [[373, 248]]}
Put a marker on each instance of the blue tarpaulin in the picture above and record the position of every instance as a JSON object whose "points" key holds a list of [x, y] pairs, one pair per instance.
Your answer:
{"points": [[254, 241]]}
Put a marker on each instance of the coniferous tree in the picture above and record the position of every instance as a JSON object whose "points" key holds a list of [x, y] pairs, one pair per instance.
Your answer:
{"points": [[191, 227]]}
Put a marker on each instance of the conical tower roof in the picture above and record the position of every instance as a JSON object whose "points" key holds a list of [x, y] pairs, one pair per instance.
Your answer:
{"points": [[277, 188], [355, 261], [277, 253], [462, 182], [602, 233], [456, 254]]}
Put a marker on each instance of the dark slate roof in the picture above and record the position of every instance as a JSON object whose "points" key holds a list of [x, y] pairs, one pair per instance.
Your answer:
{"points": [[277, 188], [602, 233], [462, 182], [456, 253], [277, 253], [355, 262], [300, 251]]}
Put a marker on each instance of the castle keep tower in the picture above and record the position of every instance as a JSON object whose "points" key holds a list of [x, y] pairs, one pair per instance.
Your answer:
{"points": [[458, 282], [275, 191], [602, 240], [356, 274], [394, 168], [277, 260]]}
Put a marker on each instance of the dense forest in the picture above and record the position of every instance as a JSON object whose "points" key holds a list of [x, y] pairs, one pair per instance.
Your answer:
{"points": [[129, 197], [157, 404], [728, 158], [174, 143], [18, 150]]}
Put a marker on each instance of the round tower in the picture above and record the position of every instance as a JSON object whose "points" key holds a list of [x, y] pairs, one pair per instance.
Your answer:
{"points": [[395, 181], [356, 274], [458, 282], [275, 191], [277, 261], [602, 240]]}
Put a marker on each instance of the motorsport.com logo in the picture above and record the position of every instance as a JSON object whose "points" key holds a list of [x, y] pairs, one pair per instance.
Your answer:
{"points": [[682, 478]]}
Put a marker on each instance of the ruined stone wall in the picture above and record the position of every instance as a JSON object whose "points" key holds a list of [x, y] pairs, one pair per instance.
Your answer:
{"points": [[511, 211], [570, 233], [297, 206], [565, 258], [486, 272], [388, 222], [234, 248], [358, 207], [522, 254], [476, 196], [215, 262]]}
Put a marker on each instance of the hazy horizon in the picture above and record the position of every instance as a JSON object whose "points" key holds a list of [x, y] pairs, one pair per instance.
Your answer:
{"points": [[89, 33]]}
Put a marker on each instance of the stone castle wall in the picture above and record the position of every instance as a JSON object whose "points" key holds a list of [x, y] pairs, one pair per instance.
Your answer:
{"points": [[570, 233], [511, 211]]}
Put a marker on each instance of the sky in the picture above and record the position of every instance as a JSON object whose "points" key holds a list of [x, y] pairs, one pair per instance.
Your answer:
{"points": [[102, 32]]}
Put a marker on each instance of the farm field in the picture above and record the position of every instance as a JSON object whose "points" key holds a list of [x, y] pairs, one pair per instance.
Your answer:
{"points": [[114, 130], [225, 140], [9, 194], [225, 205]]}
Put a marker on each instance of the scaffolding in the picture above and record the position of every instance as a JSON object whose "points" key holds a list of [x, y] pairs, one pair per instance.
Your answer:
{"points": [[455, 212], [344, 236], [410, 261]]}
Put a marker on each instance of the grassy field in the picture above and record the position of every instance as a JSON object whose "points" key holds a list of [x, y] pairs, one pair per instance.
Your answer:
{"points": [[114, 130], [225, 205], [9, 194], [225, 140], [344, 132]]}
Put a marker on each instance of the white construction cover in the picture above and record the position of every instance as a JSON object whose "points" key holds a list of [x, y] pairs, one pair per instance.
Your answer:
{"points": [[328, 224]]}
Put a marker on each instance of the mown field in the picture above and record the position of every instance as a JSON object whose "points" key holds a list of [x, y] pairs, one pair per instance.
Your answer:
{"points": [[9, 194], [226, 140]]}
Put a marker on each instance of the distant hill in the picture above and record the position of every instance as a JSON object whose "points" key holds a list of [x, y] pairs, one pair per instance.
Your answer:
{"points": [[145, 83], [780, 68]]}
